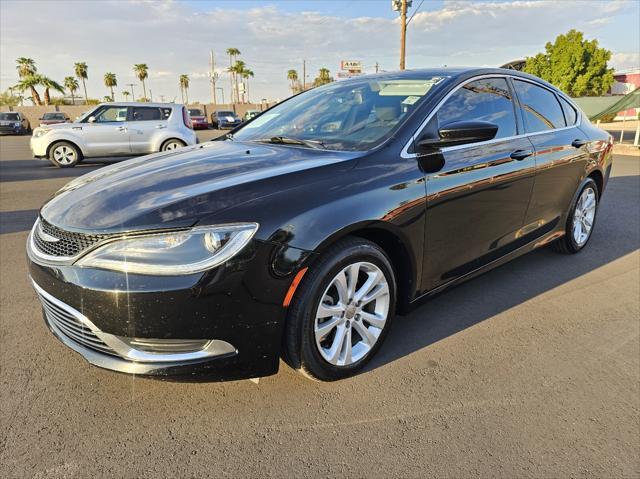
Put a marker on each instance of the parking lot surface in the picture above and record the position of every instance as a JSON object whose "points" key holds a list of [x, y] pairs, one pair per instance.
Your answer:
{"points": [[531, 370]]}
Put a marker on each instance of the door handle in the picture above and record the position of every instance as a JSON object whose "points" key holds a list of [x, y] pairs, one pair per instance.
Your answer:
{"points": [[578, 143], [160, 126], [121, 128], [520, 155]]}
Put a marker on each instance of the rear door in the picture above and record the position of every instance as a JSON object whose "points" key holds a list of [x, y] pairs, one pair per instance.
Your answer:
{"points": [[477, 202], [561, 152], [146, 124], [107, 135]]}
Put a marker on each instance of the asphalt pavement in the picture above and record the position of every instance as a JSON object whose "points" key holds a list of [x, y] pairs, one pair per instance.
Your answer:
{"points": [[531, 370]]}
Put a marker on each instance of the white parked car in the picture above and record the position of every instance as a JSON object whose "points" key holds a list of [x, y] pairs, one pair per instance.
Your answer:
{"points": [[115, 129]]}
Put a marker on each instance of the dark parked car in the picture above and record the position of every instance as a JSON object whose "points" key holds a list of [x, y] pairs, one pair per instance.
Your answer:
{"points": [[198, 119], [304, 232], [225, 119], [54, 118], [14, 123], [249, 114]]}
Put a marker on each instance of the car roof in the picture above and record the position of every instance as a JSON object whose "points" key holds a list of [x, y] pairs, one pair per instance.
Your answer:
{"points": [[139, 103]]}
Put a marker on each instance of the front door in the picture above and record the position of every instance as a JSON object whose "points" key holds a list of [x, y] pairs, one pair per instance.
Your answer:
{"points": [[107, 135], [476, 204], [146, 125]]}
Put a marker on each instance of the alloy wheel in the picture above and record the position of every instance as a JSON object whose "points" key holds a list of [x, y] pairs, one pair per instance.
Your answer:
{"points": [[172, 145], [352, 314], [64, 155], [583, 216]]}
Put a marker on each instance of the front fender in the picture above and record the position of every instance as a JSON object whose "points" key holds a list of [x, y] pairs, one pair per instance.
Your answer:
{"points": [[67, 135]]}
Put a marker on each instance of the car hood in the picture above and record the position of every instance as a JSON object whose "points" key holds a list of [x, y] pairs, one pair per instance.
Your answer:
{"points": [[61, 125], [176, 189]]}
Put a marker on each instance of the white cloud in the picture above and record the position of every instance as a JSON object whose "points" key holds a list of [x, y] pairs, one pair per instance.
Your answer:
{"points": [[625, 61], [171, 39]]}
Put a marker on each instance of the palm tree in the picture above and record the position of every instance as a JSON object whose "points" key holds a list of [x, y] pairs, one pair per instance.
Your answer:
{"points": [[141, 71], [71, 84], [236, 70], [48, 83], [110, 81], [246, 74], [26, 67], [82, 71], [292, 76], [323, 77], [108, 98], [184, 88], [233, 53], [30, 82], [125, 94]]}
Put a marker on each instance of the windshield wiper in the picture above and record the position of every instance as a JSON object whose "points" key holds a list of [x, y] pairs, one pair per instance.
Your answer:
{"points": [[284, 140]]}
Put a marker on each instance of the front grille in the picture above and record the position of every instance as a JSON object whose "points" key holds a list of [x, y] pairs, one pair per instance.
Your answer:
{"points": [[70, 244], [7, 128], [64, 320]]}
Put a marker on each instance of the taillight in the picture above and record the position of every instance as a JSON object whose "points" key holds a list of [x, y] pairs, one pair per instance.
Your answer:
{"points": [[186, 119]]}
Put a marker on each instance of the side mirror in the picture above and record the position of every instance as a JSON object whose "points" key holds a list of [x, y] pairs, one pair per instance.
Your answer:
{"points": [[41, 118], [91, 119], [458, 133]]}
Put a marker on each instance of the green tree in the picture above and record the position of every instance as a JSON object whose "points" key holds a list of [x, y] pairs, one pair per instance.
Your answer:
{"points": [[49, 84], [125, 94], [292, 76], [233, 53], [184, 88], [8, 98], [26, 67], [142, 72], [323, 77], [246, 74], [575, 65], [110, 81], [30, 82], [82, 71], [71, 84]]}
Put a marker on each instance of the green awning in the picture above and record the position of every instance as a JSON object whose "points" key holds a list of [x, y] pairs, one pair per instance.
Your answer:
{"points": [[597, 107]]}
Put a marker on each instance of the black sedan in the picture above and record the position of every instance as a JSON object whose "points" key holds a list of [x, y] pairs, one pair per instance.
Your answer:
{"points": [[303, 233]]}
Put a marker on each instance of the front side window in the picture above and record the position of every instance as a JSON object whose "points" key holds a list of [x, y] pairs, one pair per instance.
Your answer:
{"points": [[482, 100], [345, 115], [540, 107], [109, 114], [146, 113]]}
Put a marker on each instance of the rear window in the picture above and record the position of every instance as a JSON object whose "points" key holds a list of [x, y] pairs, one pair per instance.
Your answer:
{"points": [[570, 114], [540, 107], [53, 116], [9, 117], [194, 112]]}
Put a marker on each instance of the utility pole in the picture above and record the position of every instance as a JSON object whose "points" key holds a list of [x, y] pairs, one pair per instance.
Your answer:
{"points": [[304, 75], [403, 32], [377, 66], [213, 77], [131, 85]]}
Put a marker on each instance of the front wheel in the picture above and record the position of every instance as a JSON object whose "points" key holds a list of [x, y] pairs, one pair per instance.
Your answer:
{"points": [[171, 145], [341, 312], [580, 221], [64, 155]]}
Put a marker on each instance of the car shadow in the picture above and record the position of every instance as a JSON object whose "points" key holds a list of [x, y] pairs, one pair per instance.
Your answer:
{"points": [[16, 221], [26, 170], [518, 281]]}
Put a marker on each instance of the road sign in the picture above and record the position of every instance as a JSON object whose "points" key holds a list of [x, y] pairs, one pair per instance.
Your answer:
{"points": [[353, 66]]}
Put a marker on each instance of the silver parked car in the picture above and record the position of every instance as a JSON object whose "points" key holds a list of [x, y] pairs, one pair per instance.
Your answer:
{"points": [[115, 129]]}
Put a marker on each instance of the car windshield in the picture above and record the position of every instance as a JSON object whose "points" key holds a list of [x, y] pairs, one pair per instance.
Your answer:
{"points": [[351, 115], [226, 113], [193, 112], [53, 116], [9, 117]]}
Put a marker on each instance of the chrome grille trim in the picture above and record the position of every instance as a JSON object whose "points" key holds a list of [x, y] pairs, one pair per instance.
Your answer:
{"points": [[50, 242], [72, 324]]}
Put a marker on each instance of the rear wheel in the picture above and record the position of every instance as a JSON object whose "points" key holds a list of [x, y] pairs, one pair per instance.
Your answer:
{"points": [[64, 155], [172, 144], [581, 220], [342, 311]]}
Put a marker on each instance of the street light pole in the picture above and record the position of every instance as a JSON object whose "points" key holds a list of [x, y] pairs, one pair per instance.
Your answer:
{"points": [[403, 32], [131, 85]]}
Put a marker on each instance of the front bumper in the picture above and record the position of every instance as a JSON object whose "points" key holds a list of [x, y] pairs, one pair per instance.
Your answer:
{"points": [[237, 306], [38, 146]]}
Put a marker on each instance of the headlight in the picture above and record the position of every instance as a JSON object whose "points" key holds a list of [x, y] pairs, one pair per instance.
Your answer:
{"points": [[40, 132], [180, 252], [16, 124]]}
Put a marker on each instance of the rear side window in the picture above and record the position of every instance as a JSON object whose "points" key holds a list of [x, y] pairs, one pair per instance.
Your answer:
{"points": [[166, 113], [570, 114], [482, 100], [146, 113], [540, 107]]}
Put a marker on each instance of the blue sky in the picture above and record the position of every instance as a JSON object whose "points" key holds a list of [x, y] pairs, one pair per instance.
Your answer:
{"points": [[174, 37]]}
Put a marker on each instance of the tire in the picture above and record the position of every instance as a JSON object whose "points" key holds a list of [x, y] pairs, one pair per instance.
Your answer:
{"points": [[583, 211], [172, 144], [339, 348], [64, 154]]}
